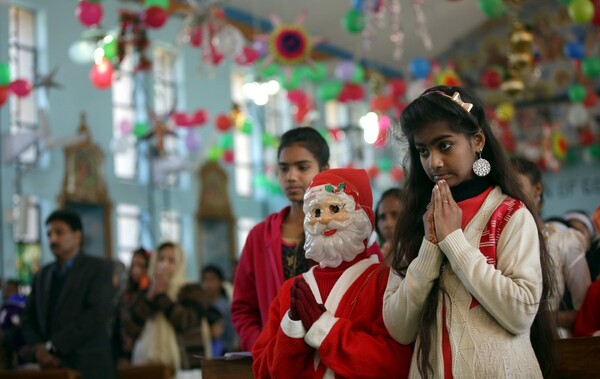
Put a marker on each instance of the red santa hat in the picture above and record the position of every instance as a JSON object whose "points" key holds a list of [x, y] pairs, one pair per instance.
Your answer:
{"points": [[351, 181]]}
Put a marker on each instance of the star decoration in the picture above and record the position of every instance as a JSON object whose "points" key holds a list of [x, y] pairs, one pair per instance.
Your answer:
{"points": [[47, 81], [159, 133], [289, 44]]}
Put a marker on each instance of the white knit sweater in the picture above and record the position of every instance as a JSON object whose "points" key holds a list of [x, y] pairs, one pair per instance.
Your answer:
{"points": [[490, 340]]}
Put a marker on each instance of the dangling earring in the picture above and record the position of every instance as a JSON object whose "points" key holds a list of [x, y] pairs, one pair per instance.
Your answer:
{"points": [[481, 167]]}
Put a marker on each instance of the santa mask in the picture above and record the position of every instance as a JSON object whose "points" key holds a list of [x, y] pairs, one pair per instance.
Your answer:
{"points": [[336, 225]]}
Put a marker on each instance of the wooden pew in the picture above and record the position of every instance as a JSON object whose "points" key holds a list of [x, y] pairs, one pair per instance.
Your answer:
{"points": [[578, 358], [148, 371], [220, 368], [46, 374]]}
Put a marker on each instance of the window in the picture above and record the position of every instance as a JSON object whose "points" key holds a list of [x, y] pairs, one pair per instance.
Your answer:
{"points": [[26, 219], [22, 56], [124, 119], [165, 100], [170, 226], [128, 231], [242, 142], [269, 111]]}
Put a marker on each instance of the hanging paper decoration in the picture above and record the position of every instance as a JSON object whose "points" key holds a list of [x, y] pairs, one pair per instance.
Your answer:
{"points": [[548, 159], [365, 17], [559, 144], [192, 142], [133, 31], [185, 120], [289, 44]]}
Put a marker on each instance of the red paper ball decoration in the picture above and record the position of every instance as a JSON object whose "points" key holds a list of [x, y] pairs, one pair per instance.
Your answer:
{"points": [[223, 122], [155, 17], [20, 87], [228, 156], [101, 74], [397, 173], [89, 13], [3, 95]]}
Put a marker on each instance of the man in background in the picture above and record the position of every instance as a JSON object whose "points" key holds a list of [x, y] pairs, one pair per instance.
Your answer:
{"points": [[66, 316]]}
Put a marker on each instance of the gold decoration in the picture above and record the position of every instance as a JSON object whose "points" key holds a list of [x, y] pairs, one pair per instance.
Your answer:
{"points": [[520, 61], [376, 81], [513, 87], [521, 39], [520, 57]]}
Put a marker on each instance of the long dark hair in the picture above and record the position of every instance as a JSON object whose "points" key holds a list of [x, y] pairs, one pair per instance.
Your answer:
{"points": [[432, 106], [396, 193]]}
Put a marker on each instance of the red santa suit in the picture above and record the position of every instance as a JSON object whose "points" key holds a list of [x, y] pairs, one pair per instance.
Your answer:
{"points": [[349, 340], [588, 318]]}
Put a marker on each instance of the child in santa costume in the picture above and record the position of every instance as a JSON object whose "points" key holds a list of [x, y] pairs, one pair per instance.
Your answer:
{"points": [[327, 322]]}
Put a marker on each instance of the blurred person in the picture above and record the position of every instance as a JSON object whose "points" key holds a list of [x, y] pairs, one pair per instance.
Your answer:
{"points": [[581, 221], [13, 343], [274, 250], [587, 323], [593, 254], [162, 317], [386, 217], [137, 282], [212, 282], [566, 247], [66, 317]]}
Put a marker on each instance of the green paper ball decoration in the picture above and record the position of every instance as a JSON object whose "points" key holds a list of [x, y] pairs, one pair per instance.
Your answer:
{"points": [[164, 4], [493, 8], [109, 45], [246, 127], [385, 164], [140, 129], [577, 93], [359, 75], [594, 151], [354, 21], [270, 140], [581, 11], [214, 153], [261, 181], [591, 67], [329, 90], [226, 141], [564, 1], [316, 73], [273, 187], [4, 74]]}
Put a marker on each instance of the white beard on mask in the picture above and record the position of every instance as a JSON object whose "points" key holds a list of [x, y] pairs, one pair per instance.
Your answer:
{"points": [[344, 245]]}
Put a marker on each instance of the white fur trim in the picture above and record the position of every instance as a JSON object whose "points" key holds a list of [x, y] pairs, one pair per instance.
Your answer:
{"points": [[373, 237], [341, 285], [320, 329], [292, 328]]}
